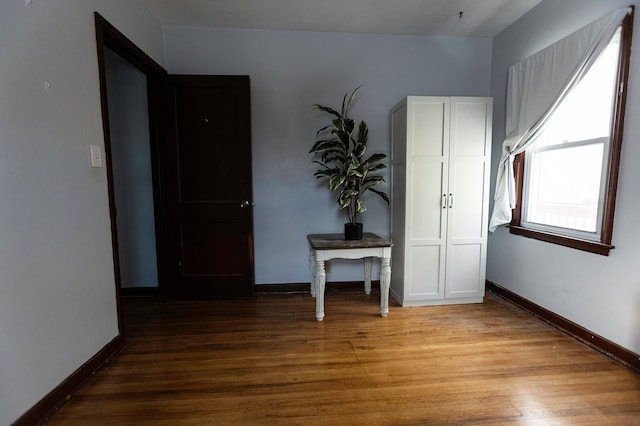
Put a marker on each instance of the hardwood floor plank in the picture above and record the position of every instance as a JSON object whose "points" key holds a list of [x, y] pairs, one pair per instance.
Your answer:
{"points": [[268, 361]]}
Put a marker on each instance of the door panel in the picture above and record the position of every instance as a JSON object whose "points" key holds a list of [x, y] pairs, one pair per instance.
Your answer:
{"points": [[209, 165], [429, 127], [211, 248], [466, 185], [426, 271], [466, 140], [466, 278], [427, 218], [212, 144]]}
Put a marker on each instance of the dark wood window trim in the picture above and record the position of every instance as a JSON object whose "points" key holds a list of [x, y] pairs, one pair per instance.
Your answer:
{"points": [[603, 246]]}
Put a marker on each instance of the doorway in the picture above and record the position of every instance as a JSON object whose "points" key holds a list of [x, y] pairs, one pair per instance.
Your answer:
{"points": [[111, 41], [132, 176], [195, 254]]}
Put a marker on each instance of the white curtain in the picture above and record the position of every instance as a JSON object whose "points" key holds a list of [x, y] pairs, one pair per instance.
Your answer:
{"points": [[535, 87]]}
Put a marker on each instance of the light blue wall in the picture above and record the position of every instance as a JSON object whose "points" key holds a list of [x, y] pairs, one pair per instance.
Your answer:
{"points": [[133, 187], [290, 71], [57, 291], [599, 293]]}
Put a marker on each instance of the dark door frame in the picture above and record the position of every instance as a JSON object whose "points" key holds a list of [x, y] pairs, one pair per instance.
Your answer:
{"points": [[108, 36]]}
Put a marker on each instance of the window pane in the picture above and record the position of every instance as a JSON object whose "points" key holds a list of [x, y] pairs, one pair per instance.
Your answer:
{"points": [[564, 182], [586, 111], [564, 187]]}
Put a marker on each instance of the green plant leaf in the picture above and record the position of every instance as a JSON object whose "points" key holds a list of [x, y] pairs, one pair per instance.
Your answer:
{"points": [[345, 107], [325, 173], [324, 144], [363, 133], [372, 180], [335, 181], [327, 110], [344, 202], [323, 129], [375, 158], [382, 195], [343, 137], [359, 150], [349, 125], [333, 155], [378, 166]]}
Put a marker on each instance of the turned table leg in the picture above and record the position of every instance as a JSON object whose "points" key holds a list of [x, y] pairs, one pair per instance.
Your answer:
{"points": [[312, 272], [367, 275], [319, 278], [385, 281]]}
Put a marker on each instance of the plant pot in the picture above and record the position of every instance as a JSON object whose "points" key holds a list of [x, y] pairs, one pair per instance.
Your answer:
{"points": [[352, 231]]}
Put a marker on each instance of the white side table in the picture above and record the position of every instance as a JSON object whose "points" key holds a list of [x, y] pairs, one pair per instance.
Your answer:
{"points": [[323, 247]]}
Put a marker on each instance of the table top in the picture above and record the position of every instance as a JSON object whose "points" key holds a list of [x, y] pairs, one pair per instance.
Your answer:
{"points": [[337, 241]]}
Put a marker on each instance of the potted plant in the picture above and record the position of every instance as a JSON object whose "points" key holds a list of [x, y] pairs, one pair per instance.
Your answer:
{"points": [[340, 150]]}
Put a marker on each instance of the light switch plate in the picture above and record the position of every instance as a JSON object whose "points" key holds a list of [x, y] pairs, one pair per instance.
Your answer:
{"points": [[96, 156]]}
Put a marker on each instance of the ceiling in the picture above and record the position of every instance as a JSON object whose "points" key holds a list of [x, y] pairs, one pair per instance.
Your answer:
{"points": [[479, 18]]}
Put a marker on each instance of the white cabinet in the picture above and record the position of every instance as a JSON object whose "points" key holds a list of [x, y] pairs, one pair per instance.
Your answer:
{"points": [[440, 165]]}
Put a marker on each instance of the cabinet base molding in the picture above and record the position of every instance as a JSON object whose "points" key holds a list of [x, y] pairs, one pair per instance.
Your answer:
{"points": [[435, 302], [612, 350]]}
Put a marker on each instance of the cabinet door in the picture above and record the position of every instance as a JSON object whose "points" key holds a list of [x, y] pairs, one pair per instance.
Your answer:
{"points": [[470, 151], [427, 168]]}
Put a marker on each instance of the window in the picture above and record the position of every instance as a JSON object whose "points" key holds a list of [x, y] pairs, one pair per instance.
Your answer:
{"points": [[566, 180]]}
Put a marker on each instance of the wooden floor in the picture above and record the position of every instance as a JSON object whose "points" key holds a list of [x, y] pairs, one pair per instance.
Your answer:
{"points": [[268, 361]]}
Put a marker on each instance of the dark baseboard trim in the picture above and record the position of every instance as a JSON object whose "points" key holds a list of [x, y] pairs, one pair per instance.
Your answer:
{"points": [[55, 399], [612, 350], [305, 287], [139, 291]]}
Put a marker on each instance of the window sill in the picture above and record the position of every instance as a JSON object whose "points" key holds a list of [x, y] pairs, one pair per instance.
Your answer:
{"points": [[576, 243]]}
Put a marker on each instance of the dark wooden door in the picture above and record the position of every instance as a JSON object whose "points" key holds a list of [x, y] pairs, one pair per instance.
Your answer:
{"points": [[209, 186]]}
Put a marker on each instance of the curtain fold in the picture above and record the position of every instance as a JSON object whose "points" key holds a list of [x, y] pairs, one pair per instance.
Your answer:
{"points": [[535, 88]]}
